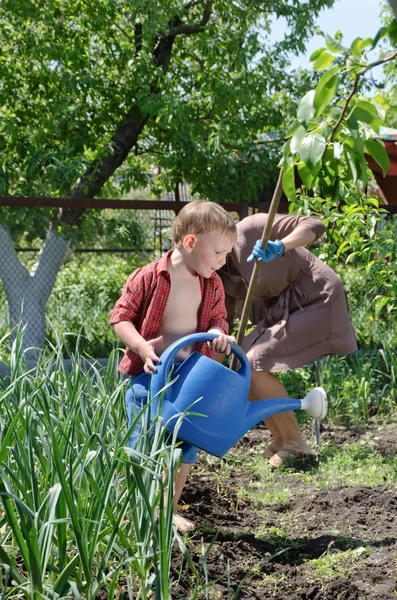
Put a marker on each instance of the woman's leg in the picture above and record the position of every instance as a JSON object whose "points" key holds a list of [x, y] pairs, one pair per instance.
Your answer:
{"points": [[287, 439], [277, 440], [265, 385]]}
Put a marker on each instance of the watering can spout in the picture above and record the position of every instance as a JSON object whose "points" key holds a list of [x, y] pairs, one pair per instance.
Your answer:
{"points": [[261, 410], [315, 403]]}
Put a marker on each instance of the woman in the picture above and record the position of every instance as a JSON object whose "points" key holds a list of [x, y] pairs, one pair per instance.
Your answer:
{"points": [[299, 309]]}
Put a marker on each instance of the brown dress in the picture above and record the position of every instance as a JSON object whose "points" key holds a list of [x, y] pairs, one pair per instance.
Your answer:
{"points": [[300, 308]]}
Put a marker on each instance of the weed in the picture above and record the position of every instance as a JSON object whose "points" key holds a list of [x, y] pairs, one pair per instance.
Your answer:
{"points": [[334, 564]]}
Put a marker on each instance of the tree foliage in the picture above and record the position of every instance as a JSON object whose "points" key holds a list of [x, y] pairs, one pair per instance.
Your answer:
{"points": [[89, 89], [335, 128]]}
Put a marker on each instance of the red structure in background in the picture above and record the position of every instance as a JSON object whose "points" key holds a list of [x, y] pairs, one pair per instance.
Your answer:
{"points": [[387, 184]]}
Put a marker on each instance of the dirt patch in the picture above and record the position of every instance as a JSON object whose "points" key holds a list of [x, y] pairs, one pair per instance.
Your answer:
{"points": [[332, 543]]}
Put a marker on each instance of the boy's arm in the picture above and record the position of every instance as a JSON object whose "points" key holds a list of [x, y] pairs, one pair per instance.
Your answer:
{"points": [[218, 317], [129, 335], [218, 323], [126, 310]]}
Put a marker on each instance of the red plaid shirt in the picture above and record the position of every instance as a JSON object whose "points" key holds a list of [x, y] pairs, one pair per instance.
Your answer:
{"points": [[143, 301]]}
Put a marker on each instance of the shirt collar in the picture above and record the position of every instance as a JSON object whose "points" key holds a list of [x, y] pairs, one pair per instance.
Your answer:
{"points": [[162, 264]]}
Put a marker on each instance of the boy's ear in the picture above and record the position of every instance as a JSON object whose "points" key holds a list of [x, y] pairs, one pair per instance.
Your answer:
{"points": [[189, 242]]}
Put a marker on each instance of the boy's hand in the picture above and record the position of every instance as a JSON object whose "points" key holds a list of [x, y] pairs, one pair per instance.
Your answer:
{"points": [[221, 343], [148, 355]]}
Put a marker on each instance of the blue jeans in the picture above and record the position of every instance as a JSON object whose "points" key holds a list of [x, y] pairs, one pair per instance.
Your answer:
{"points": [[136, 398]]}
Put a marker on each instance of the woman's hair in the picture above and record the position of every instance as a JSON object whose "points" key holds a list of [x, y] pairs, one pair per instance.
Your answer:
{"points": [[201, 216]]}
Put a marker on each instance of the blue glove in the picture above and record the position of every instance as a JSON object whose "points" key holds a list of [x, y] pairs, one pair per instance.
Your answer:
{"points": [[273, 250]]}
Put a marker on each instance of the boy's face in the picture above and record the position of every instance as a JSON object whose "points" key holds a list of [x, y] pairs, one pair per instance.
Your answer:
{"points": [[207, 252]]}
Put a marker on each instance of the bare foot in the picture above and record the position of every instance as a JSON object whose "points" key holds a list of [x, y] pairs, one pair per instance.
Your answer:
{"points": [[183, 525]]}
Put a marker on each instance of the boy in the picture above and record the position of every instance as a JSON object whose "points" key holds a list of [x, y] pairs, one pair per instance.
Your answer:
{"points": [[172, 297]]}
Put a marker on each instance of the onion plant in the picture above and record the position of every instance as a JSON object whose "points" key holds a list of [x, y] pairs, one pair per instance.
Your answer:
{"points": [[81, 512]]}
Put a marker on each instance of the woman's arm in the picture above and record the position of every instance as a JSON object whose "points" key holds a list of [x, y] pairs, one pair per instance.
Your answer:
{"points": [[298, 237], [301, 236]]}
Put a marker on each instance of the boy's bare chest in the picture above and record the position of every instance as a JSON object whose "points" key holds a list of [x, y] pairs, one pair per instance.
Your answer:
{"points": [[181, 313], [183, 305]]}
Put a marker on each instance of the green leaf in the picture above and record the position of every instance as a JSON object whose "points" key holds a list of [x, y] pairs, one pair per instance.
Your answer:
{"points": [[324, 61], [353, 164], [392, 31], [333, 45], [297, 139], [359, 45], [383, 31], [380, 112], [338, 150], [380, 302], [336, 113], [352, 124], [306, 110], [342, 248], [366, 113], [363, 170], [326, 93], [287, 150], [308, 175], [312, 149], [292, 128], [352, 256], [314, 56], [289, 183], [377, 150]]}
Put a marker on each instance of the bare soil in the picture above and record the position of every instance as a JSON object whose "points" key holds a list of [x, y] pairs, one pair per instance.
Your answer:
{"points": [[241, 544]]}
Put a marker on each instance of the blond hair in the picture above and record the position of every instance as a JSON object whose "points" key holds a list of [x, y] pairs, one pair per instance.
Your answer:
{"points": [[201, 216]]}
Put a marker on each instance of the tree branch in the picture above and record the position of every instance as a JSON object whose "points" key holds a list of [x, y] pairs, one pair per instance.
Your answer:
{"points": [[123, 140], [11, 267], [189, 29], [382, 61], [48, 263], [138, 38], [131, 126], [124, 32]]}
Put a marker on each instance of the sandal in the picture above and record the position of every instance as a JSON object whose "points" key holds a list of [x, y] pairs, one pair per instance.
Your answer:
{"points": [[270, 451], [289, 451]]}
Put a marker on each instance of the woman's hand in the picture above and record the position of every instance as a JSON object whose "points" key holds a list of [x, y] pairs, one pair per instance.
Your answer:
{"points": [[273, 250]]}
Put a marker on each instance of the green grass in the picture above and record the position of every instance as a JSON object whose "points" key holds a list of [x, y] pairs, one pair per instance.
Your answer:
{"points": [[334, 564], [354, 464], [359, 386], [347, 465]]}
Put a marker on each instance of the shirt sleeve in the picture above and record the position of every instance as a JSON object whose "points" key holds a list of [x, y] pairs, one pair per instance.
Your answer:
{"points": [[128, 306], [218, 317]]}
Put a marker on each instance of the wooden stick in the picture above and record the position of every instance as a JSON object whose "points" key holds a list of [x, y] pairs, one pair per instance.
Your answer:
{"points": [[257, 266]]}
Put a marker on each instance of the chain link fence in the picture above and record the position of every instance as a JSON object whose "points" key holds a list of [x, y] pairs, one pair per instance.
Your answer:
{"points": [[66, 288]]}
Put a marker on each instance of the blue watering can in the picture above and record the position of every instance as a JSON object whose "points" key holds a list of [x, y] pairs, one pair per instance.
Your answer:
{"points": [[223, 413]]}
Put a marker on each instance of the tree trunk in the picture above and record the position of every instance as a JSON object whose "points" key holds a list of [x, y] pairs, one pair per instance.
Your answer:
{"points": [[27, 292]]}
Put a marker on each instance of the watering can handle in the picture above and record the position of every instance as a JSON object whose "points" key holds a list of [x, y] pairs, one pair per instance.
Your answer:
{"points": [[168, 355]]}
